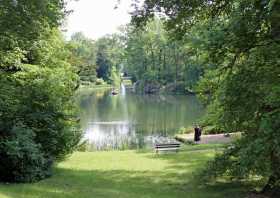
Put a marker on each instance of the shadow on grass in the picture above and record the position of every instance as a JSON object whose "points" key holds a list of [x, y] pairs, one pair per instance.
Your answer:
{"points": [[187, 147], [123, 184], [191, 157], [174, 181]]}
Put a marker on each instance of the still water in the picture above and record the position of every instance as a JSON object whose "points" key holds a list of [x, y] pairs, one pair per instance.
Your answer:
{"points": [[131, 121]]}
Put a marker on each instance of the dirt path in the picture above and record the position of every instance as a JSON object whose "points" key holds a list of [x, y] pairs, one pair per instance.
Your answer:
{"points": [[209, 139]]}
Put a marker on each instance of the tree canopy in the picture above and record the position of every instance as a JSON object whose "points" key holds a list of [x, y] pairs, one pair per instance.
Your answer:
{"points": [[225, 51], [37, 118], [96, 60], [153, 57], [239, 41]]}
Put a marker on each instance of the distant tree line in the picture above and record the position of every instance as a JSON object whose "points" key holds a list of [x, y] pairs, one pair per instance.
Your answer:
{"points": [[96, 61], [148, 55], [152, 56]]}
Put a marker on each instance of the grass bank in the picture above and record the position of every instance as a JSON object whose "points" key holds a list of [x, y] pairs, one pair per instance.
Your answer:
{"points": [[129, 174]]}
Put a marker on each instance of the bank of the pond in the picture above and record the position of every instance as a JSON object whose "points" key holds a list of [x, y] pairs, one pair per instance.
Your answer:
{"points": [[208, 139], [154, 87], [129, 174], [93, 86]]}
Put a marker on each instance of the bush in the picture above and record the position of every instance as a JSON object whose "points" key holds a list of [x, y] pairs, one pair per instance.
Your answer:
{"points": [[21, 158], [83, 146], [186, 130], [37, 124], [212, 130], [37, 83], [90, 78]]}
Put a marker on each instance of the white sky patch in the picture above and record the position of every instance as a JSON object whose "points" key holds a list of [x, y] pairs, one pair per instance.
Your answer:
{"points": [[96, 18]]}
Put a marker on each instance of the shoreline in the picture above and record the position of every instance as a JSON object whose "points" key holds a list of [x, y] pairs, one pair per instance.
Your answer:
{"points": [[208, 139]]}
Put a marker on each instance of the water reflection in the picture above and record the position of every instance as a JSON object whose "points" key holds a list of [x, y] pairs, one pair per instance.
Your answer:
{"points": [[111, 135], [123, 90], [127, 121]]}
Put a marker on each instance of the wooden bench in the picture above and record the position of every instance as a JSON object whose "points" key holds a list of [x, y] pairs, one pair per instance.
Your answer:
{"points": [[167, 147]]}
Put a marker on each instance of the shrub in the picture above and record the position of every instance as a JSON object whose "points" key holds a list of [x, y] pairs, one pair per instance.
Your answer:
{"points": [[212, 130], [37, 83], [21, 158], [186, 130], [37, 124], [83, 146]]}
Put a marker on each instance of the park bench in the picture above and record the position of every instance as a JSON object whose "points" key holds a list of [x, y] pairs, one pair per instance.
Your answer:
{"points": [[167, 147]]}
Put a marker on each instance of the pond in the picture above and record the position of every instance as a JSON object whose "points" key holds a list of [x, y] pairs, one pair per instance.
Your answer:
{"points": [[131, 121]]}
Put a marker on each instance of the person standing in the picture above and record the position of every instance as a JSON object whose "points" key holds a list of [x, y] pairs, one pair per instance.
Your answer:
{"points": [[199, 133], [196, 133]]}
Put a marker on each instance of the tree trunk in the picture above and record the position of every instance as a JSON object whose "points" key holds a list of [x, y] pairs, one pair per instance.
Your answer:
{"points": [[275, 17], [272, 186], [159, 64]]}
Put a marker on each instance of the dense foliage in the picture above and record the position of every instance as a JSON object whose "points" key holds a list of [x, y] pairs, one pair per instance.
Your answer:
{"points": [[83, 57], [149, 56], [109, 57], [239, 41], [154, 58], [96, 61], [37, 120]]}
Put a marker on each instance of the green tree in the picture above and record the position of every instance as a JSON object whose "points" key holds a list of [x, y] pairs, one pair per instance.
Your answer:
{"points": [[153, 56], [83, 56], [240, 43], [37, 118], [96, 59], [109, 56], [103, 63]]}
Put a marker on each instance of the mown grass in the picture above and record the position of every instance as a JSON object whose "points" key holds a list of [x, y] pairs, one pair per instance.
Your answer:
{"points": [[129, 174]]}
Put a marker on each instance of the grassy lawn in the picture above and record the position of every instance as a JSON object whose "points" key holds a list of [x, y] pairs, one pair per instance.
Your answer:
{"points": [[128, 174]]}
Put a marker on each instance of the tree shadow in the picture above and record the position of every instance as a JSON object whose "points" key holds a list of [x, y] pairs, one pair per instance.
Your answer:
{"points": [[120, 183], [187, 157], [175, 180]]}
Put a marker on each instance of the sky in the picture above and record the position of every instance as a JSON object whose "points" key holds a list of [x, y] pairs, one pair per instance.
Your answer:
{"points": [[96, 18]]}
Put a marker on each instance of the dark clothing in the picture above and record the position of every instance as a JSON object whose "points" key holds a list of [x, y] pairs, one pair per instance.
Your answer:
{"points": [[197, 133]]}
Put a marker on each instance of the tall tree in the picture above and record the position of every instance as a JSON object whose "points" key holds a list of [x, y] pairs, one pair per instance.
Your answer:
{"points": [[37, 119], [109, 55], [83, 56], [152, 56], [240, 41]]}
